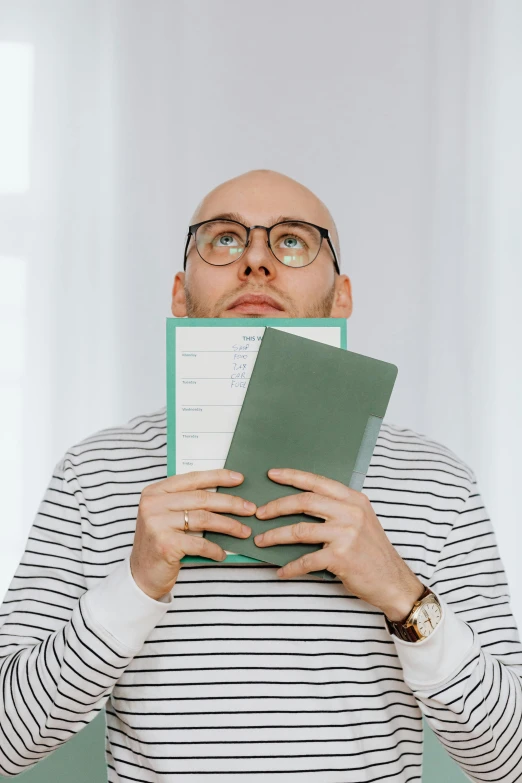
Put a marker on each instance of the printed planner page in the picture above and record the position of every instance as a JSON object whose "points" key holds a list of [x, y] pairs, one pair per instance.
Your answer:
{"points": [[213, 368]]}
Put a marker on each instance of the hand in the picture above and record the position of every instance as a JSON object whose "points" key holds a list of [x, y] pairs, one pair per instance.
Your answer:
{"points": [[160, 541], [356, 548]]}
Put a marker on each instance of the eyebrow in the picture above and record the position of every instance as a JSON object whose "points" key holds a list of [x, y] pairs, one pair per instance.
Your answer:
{"points": [[241, 219]]}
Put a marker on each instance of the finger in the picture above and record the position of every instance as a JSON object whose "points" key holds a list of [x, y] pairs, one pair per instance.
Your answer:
{"points": [[212, 501], [196, 479], [302, 503], [199, 498], [206, 520], [312, 561], [200, 547], [313, 482], [301, 532]]}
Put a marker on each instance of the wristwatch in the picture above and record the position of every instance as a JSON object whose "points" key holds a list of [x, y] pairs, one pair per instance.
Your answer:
{"points": [[424, 617]]}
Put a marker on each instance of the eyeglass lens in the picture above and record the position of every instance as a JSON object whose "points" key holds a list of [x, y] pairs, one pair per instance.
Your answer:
{"points": [[222, 241]]}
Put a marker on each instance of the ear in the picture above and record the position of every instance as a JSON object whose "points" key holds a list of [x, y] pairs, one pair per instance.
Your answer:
{"points": [[342, 303], [179, 303]]}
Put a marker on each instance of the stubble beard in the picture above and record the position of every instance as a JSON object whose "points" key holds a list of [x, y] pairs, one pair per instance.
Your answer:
{"points": [[319, 309]]}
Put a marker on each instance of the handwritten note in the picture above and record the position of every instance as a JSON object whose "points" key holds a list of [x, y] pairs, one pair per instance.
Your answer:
{"points": [[213, 369]]}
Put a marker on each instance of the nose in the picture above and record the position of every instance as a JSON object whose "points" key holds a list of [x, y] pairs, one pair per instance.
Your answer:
{"points": [[257, 259]]}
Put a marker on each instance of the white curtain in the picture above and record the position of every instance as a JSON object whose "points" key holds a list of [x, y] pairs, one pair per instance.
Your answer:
{"points": [[116, 116]]}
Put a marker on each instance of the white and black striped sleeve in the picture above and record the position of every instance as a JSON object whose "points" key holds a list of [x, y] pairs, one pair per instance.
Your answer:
{"points": [[63, 647], [467, 676]]}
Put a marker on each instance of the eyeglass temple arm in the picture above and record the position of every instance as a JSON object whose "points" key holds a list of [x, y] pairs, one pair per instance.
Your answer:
{"points": [[186, 248], [333, 252]]}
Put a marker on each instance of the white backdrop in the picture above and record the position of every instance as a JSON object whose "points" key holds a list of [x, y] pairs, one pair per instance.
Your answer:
{"points": [[116, 116]]}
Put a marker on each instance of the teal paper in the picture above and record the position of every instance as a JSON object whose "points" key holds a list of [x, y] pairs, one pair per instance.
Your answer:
{"points": [[171, 326]]}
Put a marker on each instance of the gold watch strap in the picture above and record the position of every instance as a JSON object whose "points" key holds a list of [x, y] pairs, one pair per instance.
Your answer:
{"points": [[403, 631]]}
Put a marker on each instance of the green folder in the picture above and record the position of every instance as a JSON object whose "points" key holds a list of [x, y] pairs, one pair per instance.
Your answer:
{"points": [[179, 326], [308, 406]]}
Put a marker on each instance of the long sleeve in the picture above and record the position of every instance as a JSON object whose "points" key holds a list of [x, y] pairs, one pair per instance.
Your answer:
{"points": [[63, 646], [467, 676]]}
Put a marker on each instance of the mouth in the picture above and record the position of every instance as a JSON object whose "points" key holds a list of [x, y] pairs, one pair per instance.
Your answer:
{"points": [[254, 304]]}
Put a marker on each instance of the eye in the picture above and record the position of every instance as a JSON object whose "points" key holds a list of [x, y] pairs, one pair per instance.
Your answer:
{"points": [[293, 243], [226, 240]]}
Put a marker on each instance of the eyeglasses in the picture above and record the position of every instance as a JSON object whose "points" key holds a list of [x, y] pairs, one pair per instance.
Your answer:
{"points": [[294, 243]]}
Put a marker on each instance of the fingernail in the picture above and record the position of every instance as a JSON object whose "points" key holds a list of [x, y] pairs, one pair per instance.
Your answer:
{"points": [[246, 530], [259, 538], [275, 471], [249, 506], [224, 556], [261, 510], [235, 475]]}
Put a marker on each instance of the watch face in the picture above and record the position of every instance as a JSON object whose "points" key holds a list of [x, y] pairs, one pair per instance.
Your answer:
{"points": [[428, 617]]}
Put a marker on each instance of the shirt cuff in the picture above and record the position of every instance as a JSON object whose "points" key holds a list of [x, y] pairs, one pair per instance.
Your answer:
{"points": [[121, 608], [428, 663]]}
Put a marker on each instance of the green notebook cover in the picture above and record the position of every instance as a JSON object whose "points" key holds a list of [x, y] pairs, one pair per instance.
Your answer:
{"points": [[308, 406]]}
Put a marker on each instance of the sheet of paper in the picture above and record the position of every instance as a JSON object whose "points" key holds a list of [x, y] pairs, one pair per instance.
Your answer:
{"points": [[213, 368]]}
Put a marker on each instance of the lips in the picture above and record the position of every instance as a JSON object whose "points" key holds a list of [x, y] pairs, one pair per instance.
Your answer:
{"points": [[255, 299]]}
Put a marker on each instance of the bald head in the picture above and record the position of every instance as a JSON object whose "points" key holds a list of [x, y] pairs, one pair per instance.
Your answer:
{"points": [[256, 284], [264, 190]]}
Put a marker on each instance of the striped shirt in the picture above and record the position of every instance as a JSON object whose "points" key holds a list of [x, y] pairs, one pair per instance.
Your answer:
{"points": [[237, 675]]}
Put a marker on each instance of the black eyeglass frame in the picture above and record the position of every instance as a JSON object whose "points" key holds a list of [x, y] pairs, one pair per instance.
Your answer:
{"points": [[325, 234]]}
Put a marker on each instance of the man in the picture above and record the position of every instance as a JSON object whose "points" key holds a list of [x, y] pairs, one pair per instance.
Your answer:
{"points": [[248, 673]]}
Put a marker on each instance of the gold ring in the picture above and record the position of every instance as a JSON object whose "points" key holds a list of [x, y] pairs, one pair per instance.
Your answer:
{"points": [[186, 521]]}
